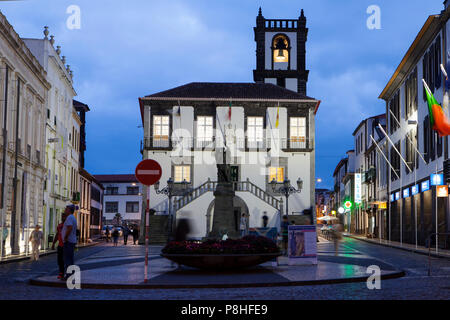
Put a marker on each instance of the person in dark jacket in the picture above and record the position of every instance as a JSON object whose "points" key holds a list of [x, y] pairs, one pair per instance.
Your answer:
{"points": [[265, 219], [126, 232], [135, 234], [115, 235]]}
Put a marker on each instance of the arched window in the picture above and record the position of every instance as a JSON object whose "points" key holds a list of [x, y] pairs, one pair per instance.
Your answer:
{"points": [[280, 49]]}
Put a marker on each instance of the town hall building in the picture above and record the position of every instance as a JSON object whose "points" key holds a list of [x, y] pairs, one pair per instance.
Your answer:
{"points": [[267, 128]]}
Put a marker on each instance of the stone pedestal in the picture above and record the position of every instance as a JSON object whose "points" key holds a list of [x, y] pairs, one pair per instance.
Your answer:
{"points": [[223, 219]]}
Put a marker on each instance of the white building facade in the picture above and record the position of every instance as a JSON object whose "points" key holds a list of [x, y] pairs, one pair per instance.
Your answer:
{"points": [[24, 91], [62, 133], [122, 195]]}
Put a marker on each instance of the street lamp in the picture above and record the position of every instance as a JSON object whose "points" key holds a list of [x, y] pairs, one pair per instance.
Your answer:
{"points": [[168, 191], [286, 189]]}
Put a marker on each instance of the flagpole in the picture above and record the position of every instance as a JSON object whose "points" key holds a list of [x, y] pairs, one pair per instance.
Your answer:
{"points": [[415, 170]]}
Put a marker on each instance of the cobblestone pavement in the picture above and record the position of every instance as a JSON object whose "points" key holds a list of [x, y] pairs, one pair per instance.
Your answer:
{"points": [[415, 285]]}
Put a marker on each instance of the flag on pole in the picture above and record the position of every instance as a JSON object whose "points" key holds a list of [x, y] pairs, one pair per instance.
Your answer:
{"points": [[277, 123], [438, 120], [229, 112]]}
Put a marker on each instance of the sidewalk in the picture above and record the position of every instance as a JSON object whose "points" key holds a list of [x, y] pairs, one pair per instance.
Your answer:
{"points": [[42, 253], [403, 246]]}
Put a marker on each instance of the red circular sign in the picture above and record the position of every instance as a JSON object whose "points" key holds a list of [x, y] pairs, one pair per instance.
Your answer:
{"points": [[148, 172]]}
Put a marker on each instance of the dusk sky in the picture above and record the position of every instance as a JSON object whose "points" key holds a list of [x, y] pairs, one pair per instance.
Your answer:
{"points": [[129, 49]]}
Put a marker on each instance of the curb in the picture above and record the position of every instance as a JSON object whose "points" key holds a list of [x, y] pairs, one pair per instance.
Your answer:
{"points": [[392, 275], [44, 254], [400, 248]]}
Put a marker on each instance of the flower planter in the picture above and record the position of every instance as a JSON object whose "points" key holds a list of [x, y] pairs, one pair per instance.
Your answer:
{"points": [[221, 261]]}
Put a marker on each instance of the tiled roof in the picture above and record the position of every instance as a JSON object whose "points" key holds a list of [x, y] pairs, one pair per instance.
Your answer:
{"points": [[233, 91], [115, 178]]}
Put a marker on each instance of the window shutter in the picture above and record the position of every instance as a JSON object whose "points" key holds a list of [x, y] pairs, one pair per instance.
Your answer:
{"points": [[424, 74], [437, 63], [426, 139]]}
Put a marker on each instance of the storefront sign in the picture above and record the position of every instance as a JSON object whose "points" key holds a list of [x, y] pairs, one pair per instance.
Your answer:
{"points": [[358, 197], [415, 190], [382, 205], [302, 245], [437, 179], [442, 191], [397, 196], [406, 193], [392, 198], [425, 186]]}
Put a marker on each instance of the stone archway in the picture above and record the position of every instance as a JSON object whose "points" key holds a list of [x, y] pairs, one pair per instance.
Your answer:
{"points": [[240, 207]]}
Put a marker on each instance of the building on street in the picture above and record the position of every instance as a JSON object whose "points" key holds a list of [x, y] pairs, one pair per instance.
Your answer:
{"points": [[416, 207], [123, 196], [24, 91]]}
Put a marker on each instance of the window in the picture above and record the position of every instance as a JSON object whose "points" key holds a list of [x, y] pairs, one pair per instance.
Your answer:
{"points": [[431, 67], [160, 131], [411, 145], [255, 131], [411, 94], [395, 160], [276, 173], [111, 207], [132, 207], [205, 130], [394, 106], [132, 190], [112, 190], [298, 133], [182, 173]]}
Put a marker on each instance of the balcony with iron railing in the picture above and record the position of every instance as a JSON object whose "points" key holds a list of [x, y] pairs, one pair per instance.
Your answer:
{"points": [[241, 143]]}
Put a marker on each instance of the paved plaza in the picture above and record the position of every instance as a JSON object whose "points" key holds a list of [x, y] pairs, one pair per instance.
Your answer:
{"points": [[125, 263]]}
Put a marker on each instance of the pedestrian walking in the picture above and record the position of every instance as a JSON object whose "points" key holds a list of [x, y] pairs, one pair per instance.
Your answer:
{"points": [[126, 232], [135, 234], [265, 219], [285, 233], [60, 249], [243, 225], [107, 233], [5, 234], [337, 236], [35, 239], [69, 237], [115, 235]]}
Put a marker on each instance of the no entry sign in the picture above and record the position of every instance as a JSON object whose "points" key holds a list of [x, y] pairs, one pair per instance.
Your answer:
{"points": [[148, 172]]}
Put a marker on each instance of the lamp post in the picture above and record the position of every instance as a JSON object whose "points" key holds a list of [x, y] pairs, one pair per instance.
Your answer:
{"points": [[169, 191], [286, 189]]}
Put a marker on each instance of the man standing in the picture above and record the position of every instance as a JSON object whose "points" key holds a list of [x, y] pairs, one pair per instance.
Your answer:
{"points": [[60, 254], [243, 226], [125, 232], [35, 239], [69, 235], [265, 219]]}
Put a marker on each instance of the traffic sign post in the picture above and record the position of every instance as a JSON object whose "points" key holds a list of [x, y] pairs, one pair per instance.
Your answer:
{"points": [[148, 172]]}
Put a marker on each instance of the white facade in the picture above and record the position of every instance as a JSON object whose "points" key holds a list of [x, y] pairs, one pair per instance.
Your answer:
{"points": [[252, 166], [26, 75], [121, 197], [62, 133]]}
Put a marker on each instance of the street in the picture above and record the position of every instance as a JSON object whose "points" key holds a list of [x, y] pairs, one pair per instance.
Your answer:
{"points": [[416, 284]]}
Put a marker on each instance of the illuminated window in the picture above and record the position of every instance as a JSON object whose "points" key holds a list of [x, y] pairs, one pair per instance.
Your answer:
{"points": [[280, 48], [255, 131], [182, 173], [276, 173], [204, 130], [161, 131], [298, 132]]}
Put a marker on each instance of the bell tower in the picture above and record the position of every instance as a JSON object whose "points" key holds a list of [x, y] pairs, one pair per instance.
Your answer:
{"points": [[281, 52]]}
